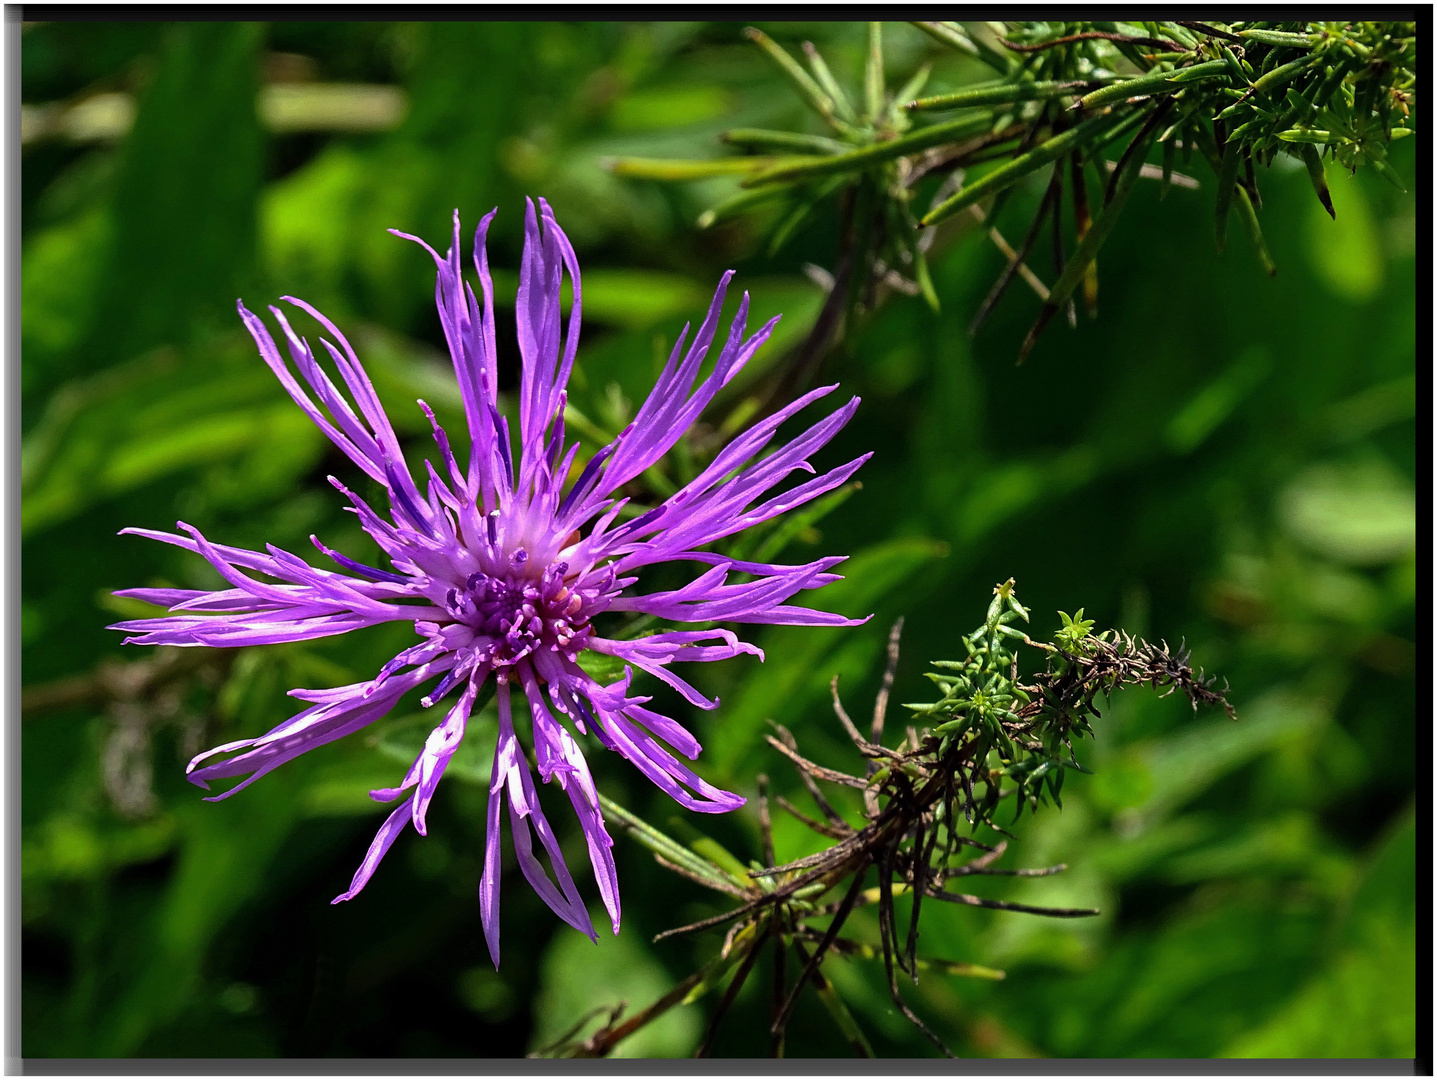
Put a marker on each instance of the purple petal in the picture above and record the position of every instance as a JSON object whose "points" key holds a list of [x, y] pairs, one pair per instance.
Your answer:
{"points": [[339, 713], [470, 334], [443, 741], [271, 356], [489, 880], [392, 827], [511, 772]]}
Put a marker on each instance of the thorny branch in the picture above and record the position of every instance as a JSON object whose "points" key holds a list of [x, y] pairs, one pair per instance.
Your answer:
{"points": [[993, 738]]}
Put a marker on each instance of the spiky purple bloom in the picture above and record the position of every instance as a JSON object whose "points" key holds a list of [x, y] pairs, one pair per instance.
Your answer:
{"points": [[503, 571]]}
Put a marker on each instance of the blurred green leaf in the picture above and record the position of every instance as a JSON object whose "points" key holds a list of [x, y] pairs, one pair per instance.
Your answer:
{"points": [[465, 80], [1362, 512], [184, 210], [1373, 409], [1005, 491], [71, 848], [114, 433], [1187, 763], [1363, 1002], [307, 224], [223, 853], [1215, 402], [59, 273], [669, 107], [1345, 252]]}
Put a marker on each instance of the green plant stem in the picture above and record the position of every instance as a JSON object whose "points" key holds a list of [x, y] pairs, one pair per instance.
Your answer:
{"points": [[997, 93], [877, 154]]}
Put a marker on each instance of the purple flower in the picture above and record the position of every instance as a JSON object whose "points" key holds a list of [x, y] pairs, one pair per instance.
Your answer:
{"points": [[503, 567]]}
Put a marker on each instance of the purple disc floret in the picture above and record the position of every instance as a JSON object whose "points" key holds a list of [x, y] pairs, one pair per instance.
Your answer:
{"points": [[502, 566]]}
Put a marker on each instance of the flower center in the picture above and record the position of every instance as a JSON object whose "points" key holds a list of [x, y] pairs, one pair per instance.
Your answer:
{"points": [[520, 614]]}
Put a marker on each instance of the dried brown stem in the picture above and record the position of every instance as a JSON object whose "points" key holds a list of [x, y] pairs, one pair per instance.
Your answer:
{"points": [[813, 790], [833, 776], [780, 968]]}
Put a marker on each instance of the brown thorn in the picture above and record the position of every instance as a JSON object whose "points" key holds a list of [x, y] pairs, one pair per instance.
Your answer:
{"points": [[1125, 39], [823, 804], [921, 865], [735, 985], [601, 1043], [885, 934], [1250, 182], [992, 855], [765, 822], [1070, 307], [1211, 31], [578, 1026], [728, 939], [829, 909], [601, 1038], [1139, 139], [817, 826], [820, 984], [1044, 317], [1004, 905], [830, 863], [1011, 254], [1082, 222], [712, 921], [833, 855], [818, 953], [880, 705], [780, 965], [887, 923], [843, 718], [1044, 871]]}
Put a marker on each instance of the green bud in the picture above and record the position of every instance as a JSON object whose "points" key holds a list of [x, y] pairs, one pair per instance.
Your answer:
{"points": [[1278, 37]]}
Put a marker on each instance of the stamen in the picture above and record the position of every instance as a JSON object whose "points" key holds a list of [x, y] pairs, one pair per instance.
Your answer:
{"points": [[357, 567], [502, 443], [446, 684]]}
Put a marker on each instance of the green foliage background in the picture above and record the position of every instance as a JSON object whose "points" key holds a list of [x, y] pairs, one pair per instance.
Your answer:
{"points": [[1219, 456]]}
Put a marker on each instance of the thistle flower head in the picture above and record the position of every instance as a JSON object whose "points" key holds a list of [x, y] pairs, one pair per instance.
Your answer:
{"points": [[502, 564]]}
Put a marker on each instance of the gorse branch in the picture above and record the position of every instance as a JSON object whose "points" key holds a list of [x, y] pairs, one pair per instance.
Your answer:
{"points": [[1092, 101]]}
